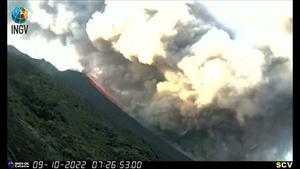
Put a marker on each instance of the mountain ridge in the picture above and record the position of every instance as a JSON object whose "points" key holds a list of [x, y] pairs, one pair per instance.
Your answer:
{"points": [[79, 83]]}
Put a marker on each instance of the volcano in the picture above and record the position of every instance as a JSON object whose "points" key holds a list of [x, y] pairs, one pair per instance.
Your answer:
{"points": [[54, 115]]}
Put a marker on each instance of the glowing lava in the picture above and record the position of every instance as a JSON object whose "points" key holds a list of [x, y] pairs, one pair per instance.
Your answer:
{"points": [[101, 88]]}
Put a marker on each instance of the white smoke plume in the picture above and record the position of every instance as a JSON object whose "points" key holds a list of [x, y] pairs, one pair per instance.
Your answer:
{"points": [[219, 85], [214, 62], [138, 31], [202, 78]]}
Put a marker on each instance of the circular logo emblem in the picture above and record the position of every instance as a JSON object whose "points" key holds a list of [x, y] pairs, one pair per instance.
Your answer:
{"points": [[10, 164], [19, 15]]}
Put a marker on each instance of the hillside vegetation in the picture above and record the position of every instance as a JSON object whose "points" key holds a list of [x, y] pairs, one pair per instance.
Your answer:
{"points": [[49, 121]]}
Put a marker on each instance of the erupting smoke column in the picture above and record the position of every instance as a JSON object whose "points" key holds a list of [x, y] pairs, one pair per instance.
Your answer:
{"points": [[143, 24], [184, 71], [212, 63], [174, 67]]}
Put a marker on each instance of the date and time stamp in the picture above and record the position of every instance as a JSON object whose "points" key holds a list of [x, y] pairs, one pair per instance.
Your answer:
{"points": [[82, 164], [78, 164]]}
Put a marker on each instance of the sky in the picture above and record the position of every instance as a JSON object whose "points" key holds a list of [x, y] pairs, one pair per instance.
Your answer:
{"points": [[167, 63]]}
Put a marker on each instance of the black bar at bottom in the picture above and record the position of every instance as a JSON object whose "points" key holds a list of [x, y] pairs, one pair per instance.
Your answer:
{"points": [[147, 164]]}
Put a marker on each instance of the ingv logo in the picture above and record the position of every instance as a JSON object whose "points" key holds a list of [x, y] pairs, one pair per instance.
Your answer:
{"points": [[19, 15]]}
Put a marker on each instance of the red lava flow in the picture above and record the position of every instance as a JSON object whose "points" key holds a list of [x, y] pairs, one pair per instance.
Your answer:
{"points": [[101, 88]]}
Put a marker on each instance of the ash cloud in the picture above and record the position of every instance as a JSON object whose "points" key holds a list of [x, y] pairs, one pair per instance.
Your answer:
{"points": [[267, 128], [200, 11], [44, 20], [181, 72]]}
